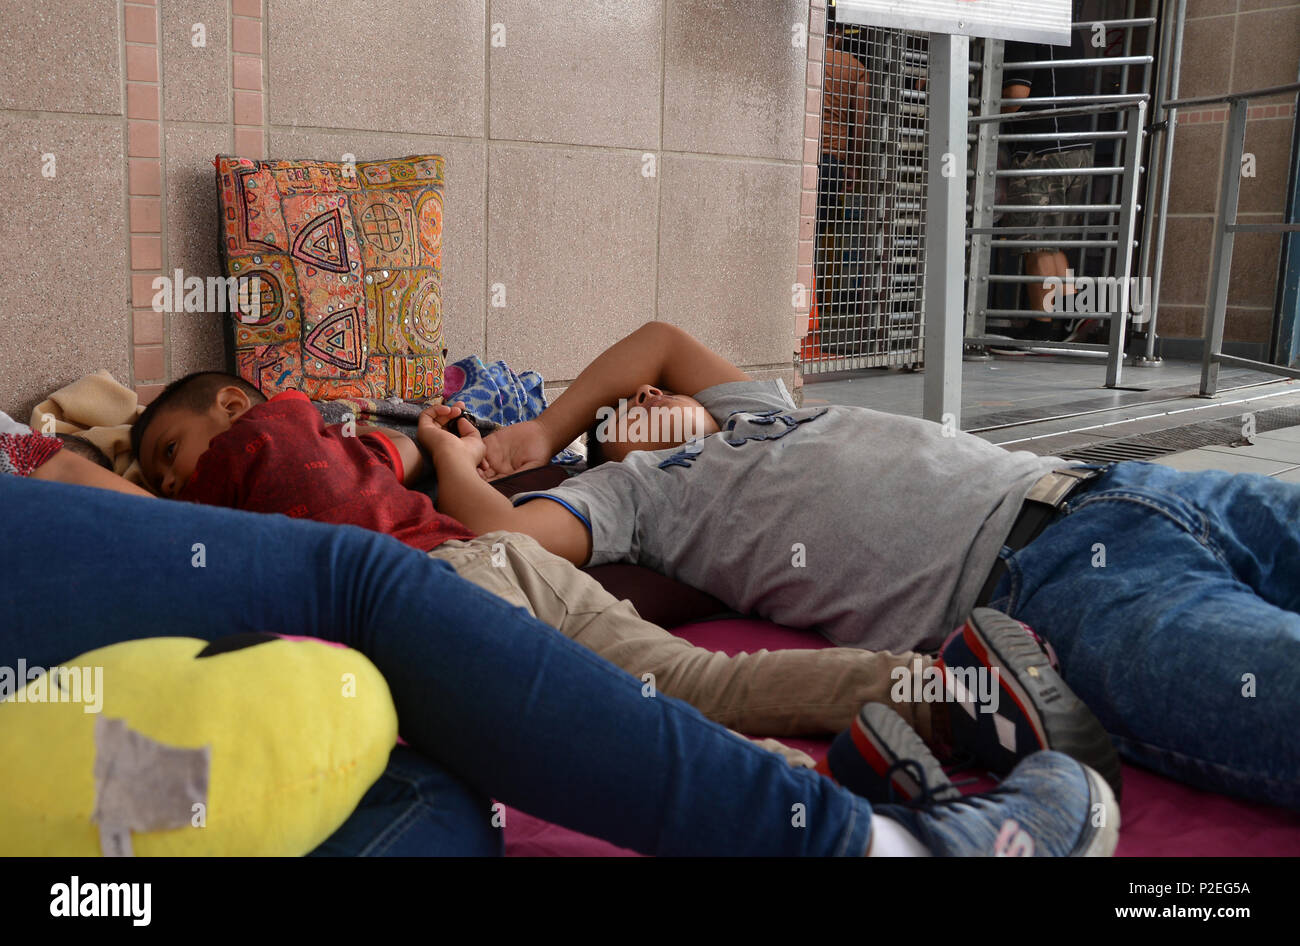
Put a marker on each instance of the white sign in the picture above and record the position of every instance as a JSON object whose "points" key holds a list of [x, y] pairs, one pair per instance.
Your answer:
{"points": [[1035, 21]]}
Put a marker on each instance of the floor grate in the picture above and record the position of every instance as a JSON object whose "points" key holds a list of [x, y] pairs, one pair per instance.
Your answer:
{"points": [[1161, 443]]}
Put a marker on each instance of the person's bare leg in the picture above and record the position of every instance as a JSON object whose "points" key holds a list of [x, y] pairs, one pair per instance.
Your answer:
{"points": [[1049, 264]]}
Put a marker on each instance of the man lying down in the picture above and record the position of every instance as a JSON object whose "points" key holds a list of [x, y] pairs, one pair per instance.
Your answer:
{"points": [[1169, 597], [214, 439]]}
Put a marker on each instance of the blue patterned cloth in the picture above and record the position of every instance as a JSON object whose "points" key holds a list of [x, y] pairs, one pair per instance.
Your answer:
{"points": [[495, 395], [493, 392]]}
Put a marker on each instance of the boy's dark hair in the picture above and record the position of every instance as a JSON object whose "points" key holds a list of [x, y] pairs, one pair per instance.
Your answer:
{"points": [[84, 448], [595, 451], [195, 392]]}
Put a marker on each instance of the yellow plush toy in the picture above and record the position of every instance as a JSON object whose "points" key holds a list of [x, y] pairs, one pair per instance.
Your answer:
{"points": [[252, 745]]}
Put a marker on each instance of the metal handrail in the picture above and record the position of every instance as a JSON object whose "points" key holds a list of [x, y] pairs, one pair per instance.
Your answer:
{"points": [[1130, 101], [1233, 96], [1119, 24], [1226, 228], [1091, 62], [1116, 99]]}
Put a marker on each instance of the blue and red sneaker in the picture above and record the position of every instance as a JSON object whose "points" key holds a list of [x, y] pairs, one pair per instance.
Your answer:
{"points": [[881, 758], [1007, 699], [1049, 806]]}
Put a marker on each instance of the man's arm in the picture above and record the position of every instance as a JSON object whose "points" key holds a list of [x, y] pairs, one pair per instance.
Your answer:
{"points": [[466, 497], [657, 353]]}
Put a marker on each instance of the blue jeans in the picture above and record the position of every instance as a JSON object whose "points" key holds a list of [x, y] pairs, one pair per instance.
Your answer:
{"points": [[1173, 602], [514, 709], [417, 808]]}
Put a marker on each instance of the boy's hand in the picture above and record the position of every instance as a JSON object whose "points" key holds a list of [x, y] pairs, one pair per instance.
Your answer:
{"points": [[518, 447], [441, 443]]}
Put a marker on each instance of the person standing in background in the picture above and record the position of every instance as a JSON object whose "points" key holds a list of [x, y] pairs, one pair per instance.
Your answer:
{"points": [[845, 88], [1056, 153]]}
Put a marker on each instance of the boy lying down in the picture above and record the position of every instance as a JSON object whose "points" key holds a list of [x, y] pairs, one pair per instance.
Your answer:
{"points": [[212, 438], [1169, 596]]}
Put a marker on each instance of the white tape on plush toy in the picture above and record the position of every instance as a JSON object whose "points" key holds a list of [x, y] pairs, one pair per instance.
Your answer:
{"points": [[143, 785]]}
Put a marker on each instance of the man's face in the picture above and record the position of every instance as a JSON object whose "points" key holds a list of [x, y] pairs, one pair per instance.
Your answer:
{"points": [[177, 437], [653, 419]]}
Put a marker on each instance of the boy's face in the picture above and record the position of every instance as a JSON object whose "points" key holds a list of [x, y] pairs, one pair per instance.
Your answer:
{"points": [[177, 437], [653, 419]]}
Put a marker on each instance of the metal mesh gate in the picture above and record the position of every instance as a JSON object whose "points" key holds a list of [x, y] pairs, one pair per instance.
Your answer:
{"points": [[869, 262]]}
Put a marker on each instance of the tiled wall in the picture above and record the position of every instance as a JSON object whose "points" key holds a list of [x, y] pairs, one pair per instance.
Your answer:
{"points": [[608, 162], [1229, 46]]}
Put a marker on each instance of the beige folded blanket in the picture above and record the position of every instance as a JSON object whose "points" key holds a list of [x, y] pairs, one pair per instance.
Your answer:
{"points": [[101, 410]]}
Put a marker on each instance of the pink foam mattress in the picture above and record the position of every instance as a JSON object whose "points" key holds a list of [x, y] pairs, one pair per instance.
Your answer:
{"points": [[1160, 817]]}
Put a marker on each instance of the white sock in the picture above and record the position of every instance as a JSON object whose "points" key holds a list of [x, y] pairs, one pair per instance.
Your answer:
{"points": [[891, 839]]}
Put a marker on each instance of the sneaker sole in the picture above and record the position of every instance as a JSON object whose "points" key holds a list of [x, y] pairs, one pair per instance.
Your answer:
{"points": [[883, 737], [1059, 719]]}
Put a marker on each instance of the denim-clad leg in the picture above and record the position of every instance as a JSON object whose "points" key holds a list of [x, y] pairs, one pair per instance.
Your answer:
{"points": [[1172, 600], [417, 808], [511, 706]]}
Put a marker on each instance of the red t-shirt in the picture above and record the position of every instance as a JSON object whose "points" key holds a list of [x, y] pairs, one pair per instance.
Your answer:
{"points": [[280, 457]]}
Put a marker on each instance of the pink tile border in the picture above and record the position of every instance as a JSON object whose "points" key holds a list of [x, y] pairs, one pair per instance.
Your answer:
{"points": [[246, 72], [146, 252], [147, 392], [247, 69], [142, 63], [149, 344], [248, 35], [142, 140], [149, 363], [811, 154], [147, 326], [142, 291], [140, 23], [146, 214], [144, 179]]}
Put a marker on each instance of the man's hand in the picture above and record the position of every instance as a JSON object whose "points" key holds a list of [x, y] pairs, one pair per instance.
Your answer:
{"points": [[445, 446], [512, 449]]}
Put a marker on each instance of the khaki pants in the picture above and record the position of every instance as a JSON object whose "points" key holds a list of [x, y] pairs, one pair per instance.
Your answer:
{"points": [[772, 693]]}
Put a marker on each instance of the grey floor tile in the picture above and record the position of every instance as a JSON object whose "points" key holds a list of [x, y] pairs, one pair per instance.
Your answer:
{"points": [[1194, 460], [1287, 434], [1280, 450]]}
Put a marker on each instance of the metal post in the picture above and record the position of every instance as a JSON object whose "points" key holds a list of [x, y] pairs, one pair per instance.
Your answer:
{"points": [[1229, 190], [1107, 259], [946, 222], [984, 189], [1124, 243], [1167, 170]]}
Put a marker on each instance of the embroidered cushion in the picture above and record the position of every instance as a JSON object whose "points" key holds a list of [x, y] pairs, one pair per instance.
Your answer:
{"points": [[339, 268]]}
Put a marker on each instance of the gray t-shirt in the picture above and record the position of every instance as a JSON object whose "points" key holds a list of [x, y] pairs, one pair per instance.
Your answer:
{"points": [[874, 529]]}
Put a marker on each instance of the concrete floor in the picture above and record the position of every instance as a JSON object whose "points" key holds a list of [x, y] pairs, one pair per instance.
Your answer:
{"points": [[1050, 405], [1040, 385], [1274, 453]]}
